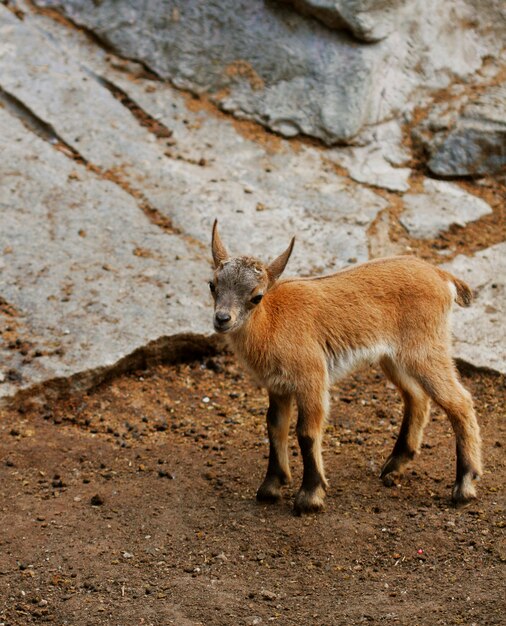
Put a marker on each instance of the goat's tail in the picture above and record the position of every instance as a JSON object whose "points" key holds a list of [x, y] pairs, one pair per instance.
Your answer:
{"points": [[463, 294]]}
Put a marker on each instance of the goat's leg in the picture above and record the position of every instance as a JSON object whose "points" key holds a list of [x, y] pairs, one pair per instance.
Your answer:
{"points": [[312, 413], [416, 415], [278, 471], [440, 381]]}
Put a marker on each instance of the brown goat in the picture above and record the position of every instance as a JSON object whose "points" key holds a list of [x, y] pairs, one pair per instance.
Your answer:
{"points": [[298, 335]]}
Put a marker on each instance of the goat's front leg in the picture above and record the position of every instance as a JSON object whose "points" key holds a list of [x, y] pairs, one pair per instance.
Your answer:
{"points": [[312, 413], [278, 471]]}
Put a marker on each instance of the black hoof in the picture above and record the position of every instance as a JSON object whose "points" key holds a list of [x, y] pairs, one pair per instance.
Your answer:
{"points": [[394, 465], [269, 491], [268, 498]]}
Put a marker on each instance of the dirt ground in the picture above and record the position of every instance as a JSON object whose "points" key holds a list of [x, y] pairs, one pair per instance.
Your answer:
{"points": [[135, 504]]}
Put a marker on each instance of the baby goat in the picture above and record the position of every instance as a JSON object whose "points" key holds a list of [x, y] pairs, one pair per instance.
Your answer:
{"points": [[299, 334]]}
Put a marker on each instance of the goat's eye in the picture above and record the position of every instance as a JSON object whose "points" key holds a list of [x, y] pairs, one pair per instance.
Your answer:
{"points": [[212, 286], [256, 299]]}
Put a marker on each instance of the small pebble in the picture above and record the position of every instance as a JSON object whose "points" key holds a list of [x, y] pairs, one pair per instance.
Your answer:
{"points": [[268, 595], [164, 474]]}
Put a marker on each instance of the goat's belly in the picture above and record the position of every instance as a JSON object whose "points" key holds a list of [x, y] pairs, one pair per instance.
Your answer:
{"points": [[348, 361]]}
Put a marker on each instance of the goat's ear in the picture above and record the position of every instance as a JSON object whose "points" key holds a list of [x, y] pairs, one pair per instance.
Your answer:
{"points": [[276, 268], [219, 252]]}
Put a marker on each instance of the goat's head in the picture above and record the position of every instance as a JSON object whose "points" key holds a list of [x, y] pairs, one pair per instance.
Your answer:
{"points": [[239, 283]]}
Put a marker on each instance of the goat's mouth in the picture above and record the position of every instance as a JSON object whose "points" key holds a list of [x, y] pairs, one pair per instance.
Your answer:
{"points": [[223, 328]]}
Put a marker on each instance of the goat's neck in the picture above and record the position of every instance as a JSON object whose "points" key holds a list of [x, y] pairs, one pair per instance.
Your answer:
{"points": [[249, 339]]}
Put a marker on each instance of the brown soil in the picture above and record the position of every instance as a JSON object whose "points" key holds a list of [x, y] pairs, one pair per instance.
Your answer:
{"points": [[135, 504]]}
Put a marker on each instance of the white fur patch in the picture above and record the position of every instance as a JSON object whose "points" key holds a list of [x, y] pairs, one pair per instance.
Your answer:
{"points": [[350, 360], [453, 290]]}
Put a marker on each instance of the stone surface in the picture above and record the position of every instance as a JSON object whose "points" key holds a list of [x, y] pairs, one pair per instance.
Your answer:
{"points": [[110, 183], [292, 192], [439, 206], [112, 277], [468, 151], [368, 20], [85, 278], [266, 62], [380, 161], [299, 86], [468, 139], [480, 331]]}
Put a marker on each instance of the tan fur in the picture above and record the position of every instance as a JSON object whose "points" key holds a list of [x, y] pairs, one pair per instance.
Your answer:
{"points": [[306, 332]]}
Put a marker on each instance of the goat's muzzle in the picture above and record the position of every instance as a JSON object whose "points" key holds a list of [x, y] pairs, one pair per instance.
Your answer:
{"points": [[222, 321]]}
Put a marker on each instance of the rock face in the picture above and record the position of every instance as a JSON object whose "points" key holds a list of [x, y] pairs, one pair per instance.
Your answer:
{"points": [[105, 225], [110, 182], [367, 20], [469, 143], [441, 205], [85, 277], [380, 161], [239, 183], [480, 331], [266, 62]]}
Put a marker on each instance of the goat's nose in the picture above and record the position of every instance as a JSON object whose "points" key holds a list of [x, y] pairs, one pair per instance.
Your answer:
{"points": [[222, 318]]}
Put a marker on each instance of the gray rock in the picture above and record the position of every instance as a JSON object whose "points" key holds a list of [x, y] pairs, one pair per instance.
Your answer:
{"points": [[119, 287], [441, 205], [86, 279], [379, 161], [262, 196], [368, 20], [469, 151], [480, 331], [89, 282], [472, 142], [258, 60], [380, 243], [264, 61]]}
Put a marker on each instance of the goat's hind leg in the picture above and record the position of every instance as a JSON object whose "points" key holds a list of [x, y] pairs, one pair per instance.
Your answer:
{"points": [[278, 425], [440, 381], [416, 415]]}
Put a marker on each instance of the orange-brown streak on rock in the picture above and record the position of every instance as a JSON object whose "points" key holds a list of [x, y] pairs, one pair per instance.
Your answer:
{"points": [[117, 176], [250, 130], [244, 70], [19, 13], [144, 119], [469, 239], [56, 16]]}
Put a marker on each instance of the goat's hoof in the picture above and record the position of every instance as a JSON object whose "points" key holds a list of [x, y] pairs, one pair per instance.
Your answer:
{"points": [[464, 490], [392, 469], [391, 479], [269, 492], [309, 501]]}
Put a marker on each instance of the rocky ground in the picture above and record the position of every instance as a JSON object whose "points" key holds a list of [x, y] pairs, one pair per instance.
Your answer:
{"points": [[131, 445], [135, 504]]}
